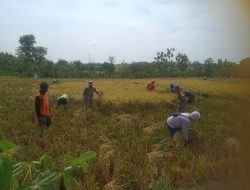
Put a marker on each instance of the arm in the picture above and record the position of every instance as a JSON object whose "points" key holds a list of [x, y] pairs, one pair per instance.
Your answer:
{"points": [[37, 106], [96, 91]]}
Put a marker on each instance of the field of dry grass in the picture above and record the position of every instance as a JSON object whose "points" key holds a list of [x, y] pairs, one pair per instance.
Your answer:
{"points": [[127, 129]]}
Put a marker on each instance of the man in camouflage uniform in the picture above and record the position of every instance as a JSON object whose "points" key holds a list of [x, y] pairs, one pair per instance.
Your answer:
{"points": [[88, 94], [184, 97]]}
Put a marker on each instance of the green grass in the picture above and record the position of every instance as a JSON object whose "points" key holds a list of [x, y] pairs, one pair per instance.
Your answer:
{"points": [[127, 130]]}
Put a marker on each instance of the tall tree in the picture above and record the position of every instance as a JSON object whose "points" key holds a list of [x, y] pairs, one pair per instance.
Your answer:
{"points": [[26, 48], [111, 59], [209, 67], [162, 57], [182, 61], [32, 55]]}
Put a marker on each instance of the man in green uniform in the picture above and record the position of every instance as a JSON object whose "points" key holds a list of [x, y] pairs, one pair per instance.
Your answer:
{"points": [[88, 94]]}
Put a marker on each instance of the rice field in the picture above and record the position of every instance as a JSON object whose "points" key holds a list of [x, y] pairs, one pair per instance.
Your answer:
{"points": [[126, 128]]}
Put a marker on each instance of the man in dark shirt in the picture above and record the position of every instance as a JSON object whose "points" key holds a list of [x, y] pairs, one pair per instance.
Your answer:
{"points": [[88, 94]]}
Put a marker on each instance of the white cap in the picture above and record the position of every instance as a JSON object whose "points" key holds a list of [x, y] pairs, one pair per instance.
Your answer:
{"points": [[195, 115]]}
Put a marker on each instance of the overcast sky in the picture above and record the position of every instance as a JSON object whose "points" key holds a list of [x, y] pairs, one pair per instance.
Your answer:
{"points": [[129, 30]]}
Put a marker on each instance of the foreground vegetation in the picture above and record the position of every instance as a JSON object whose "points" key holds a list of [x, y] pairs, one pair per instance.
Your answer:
{"points": [[127, 130]]}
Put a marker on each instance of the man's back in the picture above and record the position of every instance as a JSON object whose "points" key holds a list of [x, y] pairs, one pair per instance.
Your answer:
{"points": [[180, 121], [89, 92]]}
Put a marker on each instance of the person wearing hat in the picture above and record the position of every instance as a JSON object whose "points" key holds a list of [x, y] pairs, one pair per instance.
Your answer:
{"points": [[88, 94], [181, 97], [181, 121], [151, 85], [42, 108]]}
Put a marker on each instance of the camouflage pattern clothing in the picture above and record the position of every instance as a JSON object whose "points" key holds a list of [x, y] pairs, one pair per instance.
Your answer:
{"points": [[88, 94], [182, 103], [190, 96]]}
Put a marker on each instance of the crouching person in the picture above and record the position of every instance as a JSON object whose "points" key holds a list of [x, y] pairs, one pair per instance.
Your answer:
{"points": [[181, 122], [62, 100], [42, 108]]}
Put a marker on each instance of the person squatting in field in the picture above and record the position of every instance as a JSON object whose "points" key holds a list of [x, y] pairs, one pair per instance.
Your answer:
{"points": [[62, 100], [42, 108], [88, 94], [184, 97], [181, 121], [151, 85]]}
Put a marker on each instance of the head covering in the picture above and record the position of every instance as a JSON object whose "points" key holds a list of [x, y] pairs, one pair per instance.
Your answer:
{"points": [[90, 83], [44, 87], [173, 87], [195, 115]]}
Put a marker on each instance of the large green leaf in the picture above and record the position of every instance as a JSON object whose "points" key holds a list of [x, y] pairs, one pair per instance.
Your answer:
{"points": [[5, 146], [49, 179], [70, 160], [85, 167], [5, 173], [70, 169], [87, 155], [70, 182]]}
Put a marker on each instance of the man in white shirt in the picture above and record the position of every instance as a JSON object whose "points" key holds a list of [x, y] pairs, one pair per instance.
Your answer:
{"points": [[181, 121]]}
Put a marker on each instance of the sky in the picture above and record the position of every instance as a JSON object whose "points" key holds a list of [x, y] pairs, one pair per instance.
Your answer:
{"points": [[129, 30]]}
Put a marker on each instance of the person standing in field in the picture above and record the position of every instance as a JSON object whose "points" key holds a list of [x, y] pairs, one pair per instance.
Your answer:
{"points": [[88, 94], [181, 121], [151, 85], [181, 97], [42, 108]]}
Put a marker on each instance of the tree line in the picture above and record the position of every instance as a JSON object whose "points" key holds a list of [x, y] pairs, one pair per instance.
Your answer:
{"points": [[30, 59]]}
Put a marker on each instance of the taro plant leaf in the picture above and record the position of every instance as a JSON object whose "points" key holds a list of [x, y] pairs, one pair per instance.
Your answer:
{"points": [[70, 160], [70, 169], [85, 167], [5, 145], [87, 155], [80, 161], [70, 182], [5, 173], [46, 161]]}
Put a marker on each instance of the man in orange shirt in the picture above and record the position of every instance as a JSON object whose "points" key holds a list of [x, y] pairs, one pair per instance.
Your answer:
{"points": [[151, 85], [42, 107]]}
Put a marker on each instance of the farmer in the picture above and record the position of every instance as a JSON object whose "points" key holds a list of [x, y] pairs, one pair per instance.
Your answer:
{"points": [[184, 97], [42, 107], [88, 94], [181, 97], [62, 100], [181, 121], [151, 85]]}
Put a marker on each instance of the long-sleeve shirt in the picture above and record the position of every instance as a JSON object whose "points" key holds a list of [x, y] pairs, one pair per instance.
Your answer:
{"points": [[180, 121], [37, 106]]}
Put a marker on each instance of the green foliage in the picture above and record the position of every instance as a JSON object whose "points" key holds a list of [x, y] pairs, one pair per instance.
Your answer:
{"points": [[80, 161], [31, 59], [5, 145], [161, 184], [40, 175], [5, 173], [182, 61]]}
